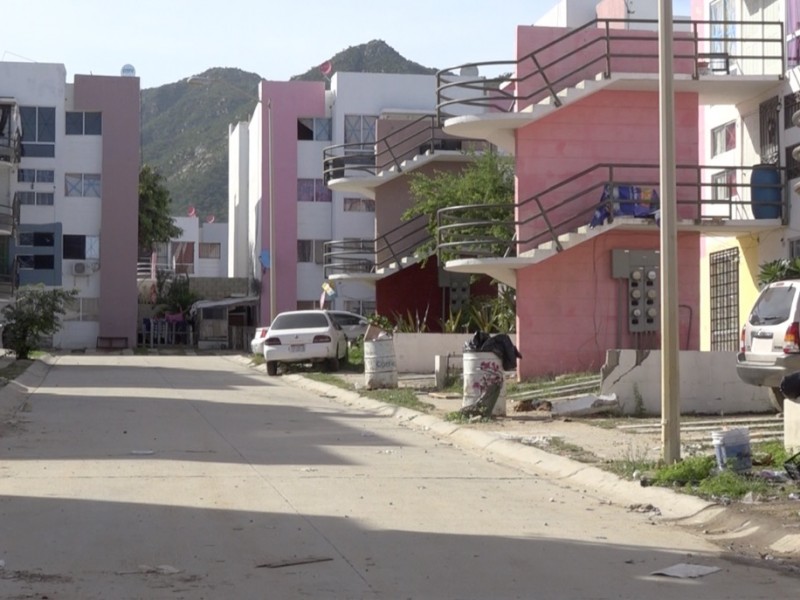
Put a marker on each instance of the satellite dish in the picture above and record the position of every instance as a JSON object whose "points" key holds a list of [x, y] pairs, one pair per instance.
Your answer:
{"points": [[128, 71], [192, 211], [326, 68], [210, 219], [469, 71]]}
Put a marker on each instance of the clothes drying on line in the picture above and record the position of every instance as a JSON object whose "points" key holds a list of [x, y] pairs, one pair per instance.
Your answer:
{"points": [[626, 200]]}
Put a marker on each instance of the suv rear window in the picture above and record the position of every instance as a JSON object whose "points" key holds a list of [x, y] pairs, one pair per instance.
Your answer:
{"points": [[300, 321], [774, 305]]}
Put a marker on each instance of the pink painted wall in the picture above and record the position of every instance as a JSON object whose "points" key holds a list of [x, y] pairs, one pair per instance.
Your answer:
{"points": [[118, 99], [564, 57], [568, 306], [289, 100]]}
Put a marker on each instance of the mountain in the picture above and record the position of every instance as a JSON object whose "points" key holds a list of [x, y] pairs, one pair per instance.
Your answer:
{"points": [[185, 124]]}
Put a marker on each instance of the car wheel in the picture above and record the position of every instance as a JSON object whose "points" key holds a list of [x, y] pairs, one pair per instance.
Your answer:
{"points": [[272, 368], [776, 398], [332, 364]]}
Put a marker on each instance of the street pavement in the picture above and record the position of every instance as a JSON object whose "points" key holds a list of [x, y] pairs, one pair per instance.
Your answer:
{"points": [[196, 477]]}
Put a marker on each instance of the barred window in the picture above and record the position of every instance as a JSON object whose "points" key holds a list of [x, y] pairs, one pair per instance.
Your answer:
{"points": [[724, 284]]}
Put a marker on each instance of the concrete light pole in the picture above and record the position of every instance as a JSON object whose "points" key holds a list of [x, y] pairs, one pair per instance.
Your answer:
{"points": [[670, 382]]}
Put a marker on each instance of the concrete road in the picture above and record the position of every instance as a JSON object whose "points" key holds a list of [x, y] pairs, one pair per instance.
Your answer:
{"points": [[197, 477]]}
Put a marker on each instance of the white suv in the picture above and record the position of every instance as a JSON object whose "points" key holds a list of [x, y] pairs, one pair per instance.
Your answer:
{"points": [[770, 344]]}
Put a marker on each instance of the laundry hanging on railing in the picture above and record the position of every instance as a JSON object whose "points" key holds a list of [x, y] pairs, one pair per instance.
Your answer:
{"points": [[626, 200]]}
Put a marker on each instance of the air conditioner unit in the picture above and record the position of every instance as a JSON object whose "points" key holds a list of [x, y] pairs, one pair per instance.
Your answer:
{"points": [[80, 268]]}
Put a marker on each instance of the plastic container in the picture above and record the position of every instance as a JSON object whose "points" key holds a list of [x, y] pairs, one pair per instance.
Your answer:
{"points": [[732, 449], [380, 365], [482, 370], [766, 192]]}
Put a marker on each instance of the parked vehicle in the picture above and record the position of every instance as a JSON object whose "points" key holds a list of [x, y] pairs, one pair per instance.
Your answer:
{"points": [[354, 325], [305, 336], [770, 339], [257, 343]]}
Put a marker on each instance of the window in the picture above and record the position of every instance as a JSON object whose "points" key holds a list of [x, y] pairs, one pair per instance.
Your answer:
{"points": [[314, 129], [310, 251], [39, 239], [209, 250], [183, 257], [82, 309], [86, 185], [362, 307], [36, 176], [35, 262], [313, 190], [723, 184], [359, 205], [723, 31], [38, 131], [723, 138], [35, 198], [83, 123], [74, 247], [724, 275], [360, 129]]}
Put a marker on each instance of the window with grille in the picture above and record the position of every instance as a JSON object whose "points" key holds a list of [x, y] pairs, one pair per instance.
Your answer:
{"points": [[724, 275]]}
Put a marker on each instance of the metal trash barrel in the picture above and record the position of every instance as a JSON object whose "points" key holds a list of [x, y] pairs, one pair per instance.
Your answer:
{"points": [[380, 365], [482, 370]]}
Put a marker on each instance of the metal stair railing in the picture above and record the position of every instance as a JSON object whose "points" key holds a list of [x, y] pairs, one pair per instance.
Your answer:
{"points": [[705, 194], [417, 137], [602, 47], [368, 256]]}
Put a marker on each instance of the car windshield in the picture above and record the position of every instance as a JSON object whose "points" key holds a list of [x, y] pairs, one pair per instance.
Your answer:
{"points": [[299, 321], [346, 319], [773, 306]]}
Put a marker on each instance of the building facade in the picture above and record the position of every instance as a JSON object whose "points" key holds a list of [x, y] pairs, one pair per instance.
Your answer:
{"points": [[73, 192]]}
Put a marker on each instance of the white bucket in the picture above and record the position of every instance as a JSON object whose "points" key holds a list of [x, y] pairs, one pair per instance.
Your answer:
{"points": [[380, 366], [482, 369], [732, 449]]}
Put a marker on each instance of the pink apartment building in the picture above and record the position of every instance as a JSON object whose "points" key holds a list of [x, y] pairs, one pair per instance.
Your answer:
{"points": [[580, 113]]}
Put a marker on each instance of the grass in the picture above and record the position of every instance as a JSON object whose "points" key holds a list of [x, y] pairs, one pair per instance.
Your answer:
{"points": [[700, 476]]}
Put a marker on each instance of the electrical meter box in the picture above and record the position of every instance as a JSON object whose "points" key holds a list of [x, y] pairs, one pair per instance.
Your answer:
{"points": [[641, 270]]}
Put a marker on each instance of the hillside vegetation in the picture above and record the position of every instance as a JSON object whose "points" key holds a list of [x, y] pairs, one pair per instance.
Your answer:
{"points": [[185, 125]]}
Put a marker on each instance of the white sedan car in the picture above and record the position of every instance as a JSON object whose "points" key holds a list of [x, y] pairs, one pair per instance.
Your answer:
{"points": [[354, 325], [304, 336], [257, 343]]}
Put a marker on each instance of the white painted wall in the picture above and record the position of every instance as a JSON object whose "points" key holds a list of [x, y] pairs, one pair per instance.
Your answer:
{"points": [[709, 384], [238, 148], [416, 352]]}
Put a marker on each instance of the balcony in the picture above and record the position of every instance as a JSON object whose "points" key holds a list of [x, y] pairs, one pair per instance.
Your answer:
{"points": [[607, 54], [403, 146], [371, 260], [10, 132], [497, 240]]}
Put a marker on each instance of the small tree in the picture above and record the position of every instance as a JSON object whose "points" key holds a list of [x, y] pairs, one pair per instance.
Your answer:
{"points": [[155, 223], [35, 312]]}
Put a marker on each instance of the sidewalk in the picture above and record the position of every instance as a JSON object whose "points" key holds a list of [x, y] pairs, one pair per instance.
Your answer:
{"points": [[758, 531]]}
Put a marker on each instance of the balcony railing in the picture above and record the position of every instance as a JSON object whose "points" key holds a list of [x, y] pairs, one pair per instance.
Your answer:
{"points": [[416, 137], [710, 195], [10, 132], [603, 47], [368, 256]]}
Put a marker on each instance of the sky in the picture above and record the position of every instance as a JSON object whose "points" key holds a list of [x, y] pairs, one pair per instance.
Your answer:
{"points": [[168, 40]]}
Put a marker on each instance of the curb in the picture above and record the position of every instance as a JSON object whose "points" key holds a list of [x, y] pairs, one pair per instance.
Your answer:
{"points": [[672, 505]]}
